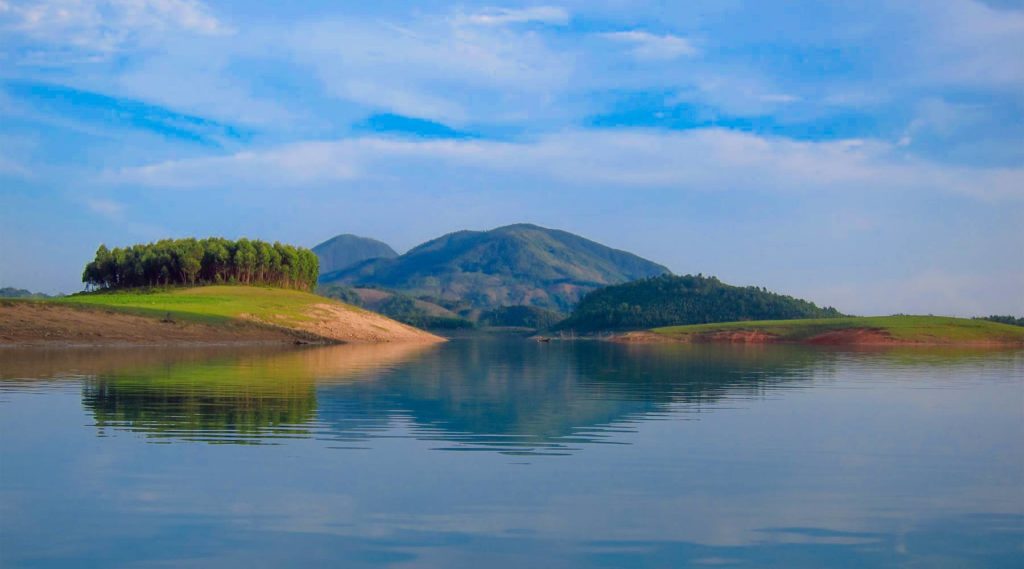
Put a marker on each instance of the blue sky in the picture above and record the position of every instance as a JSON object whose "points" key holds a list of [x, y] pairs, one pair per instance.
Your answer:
{"points": [[867, 155]]}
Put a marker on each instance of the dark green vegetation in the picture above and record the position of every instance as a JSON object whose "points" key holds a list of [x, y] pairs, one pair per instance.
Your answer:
{"points": [[398, 306], [345, 250], [513, 265], [202, 261], [521, 317], [342, 293], [406, 309], [11, 292], [899, 329], [674, 300], [1005, 320]]}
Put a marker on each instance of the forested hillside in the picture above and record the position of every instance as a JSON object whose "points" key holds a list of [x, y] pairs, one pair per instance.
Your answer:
{"points": [[676, 300], [202, 261], [514, 265], [521, 317]]}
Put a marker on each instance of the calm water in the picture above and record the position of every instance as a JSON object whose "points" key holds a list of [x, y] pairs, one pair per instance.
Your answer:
{"points": [[511, 454]]}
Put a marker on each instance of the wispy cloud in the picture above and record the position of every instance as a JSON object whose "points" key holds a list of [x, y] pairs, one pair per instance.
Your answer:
{"points": [[700, 160], [100, 28], [106, 207], [551, 15], [435, 68], [650, 46]]}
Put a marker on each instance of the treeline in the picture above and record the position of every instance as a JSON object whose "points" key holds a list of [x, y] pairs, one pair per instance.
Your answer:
{"points": [[521, 317], [202, 261], [1013, 321], [671, 300]]}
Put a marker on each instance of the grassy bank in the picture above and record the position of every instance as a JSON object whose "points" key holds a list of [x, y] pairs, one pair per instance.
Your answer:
{"points": [[196, 314], [209, 304], [874, 329]]}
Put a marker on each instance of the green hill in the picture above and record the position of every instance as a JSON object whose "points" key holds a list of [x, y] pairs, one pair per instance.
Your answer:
{"points": [[854, 330], [670, 300], [217, 311], [11, 292], [513, 265], [343, 251]]}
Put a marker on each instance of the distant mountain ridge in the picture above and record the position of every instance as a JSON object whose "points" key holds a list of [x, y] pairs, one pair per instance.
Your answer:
{"points": [[343, 251], [518, 264]]}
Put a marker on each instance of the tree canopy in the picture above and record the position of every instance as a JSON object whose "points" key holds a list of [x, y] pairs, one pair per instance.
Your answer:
{"points": [[670, 300], [214, 260]]}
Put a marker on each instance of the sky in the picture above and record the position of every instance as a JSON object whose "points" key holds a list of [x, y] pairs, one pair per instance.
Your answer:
{"points": [[865, 155]]}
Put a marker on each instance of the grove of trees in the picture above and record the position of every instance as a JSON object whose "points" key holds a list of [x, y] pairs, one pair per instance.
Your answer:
{"points": [[214, 260], [670, 300]]}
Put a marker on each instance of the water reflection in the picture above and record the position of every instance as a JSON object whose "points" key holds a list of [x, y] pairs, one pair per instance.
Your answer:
{"points": [[231, 398], [508, 395], [666, 456]]}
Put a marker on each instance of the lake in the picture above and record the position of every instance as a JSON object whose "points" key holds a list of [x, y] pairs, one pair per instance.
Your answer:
{"points": [[509, 453]]}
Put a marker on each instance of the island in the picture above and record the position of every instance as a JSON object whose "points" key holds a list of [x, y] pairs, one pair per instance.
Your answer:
{"points": [[198, 291]]}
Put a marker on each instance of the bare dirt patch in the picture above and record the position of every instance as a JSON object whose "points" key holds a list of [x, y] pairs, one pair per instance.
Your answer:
{"points": [[41, 324], [343, 324], [854, 337]]}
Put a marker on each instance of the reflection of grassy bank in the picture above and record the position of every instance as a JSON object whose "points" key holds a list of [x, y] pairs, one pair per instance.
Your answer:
{"points": [[229, 395], [503, 394]]}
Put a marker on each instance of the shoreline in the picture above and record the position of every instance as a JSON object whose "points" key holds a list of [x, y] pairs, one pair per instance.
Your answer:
{"points": [[851, 337], [54, 325]]}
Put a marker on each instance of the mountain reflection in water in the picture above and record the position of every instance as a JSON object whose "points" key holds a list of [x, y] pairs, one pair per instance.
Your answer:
{"points": [[510, 396]]}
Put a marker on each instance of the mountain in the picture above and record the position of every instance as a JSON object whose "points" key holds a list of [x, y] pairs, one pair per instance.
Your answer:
{"points": [[345, 250], [11, 292], [513, 265], [670, 300]]}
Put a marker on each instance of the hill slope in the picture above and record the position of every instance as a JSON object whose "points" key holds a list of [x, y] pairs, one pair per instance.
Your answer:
{"points": [[397, 306], [513, 265], [670, 300], [875, 330], [343, 251], [212, 314]]}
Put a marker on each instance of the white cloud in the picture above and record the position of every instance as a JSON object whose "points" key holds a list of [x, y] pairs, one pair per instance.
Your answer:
{"points": [[435, 68], [654, 47], [696, 160], [106, 207], [734, 93], [965, 42], [288, 166], [100, 28], [551, 15]]}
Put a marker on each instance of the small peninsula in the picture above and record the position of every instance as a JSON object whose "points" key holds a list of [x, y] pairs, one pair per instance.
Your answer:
{"points": [[198, 291], [859, 331]]}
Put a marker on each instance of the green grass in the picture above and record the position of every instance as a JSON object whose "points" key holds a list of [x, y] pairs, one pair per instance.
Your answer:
{"points": [[208, 304], [904, 328]]}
